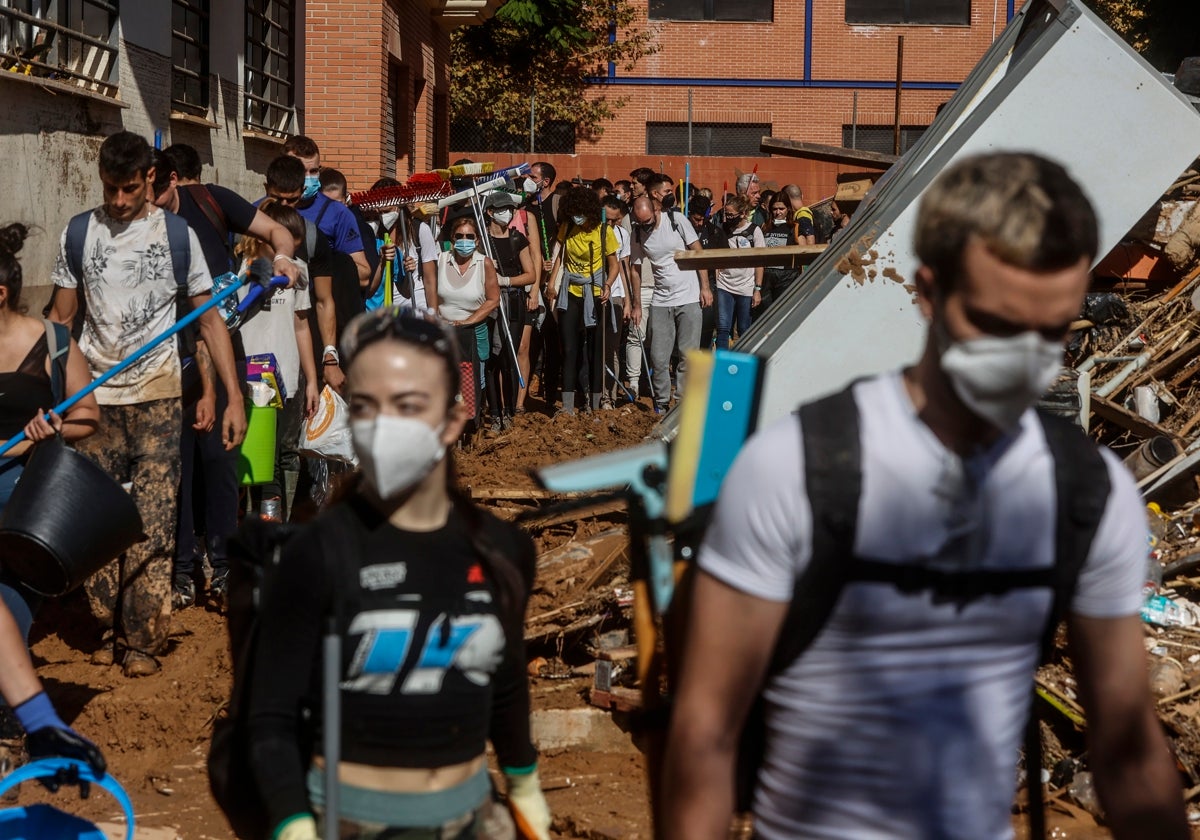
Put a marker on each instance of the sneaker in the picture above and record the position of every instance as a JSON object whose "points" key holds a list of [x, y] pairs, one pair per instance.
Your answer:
{"points": [[138, 664], [496, 427], [183, 592], [506, 423], [218, 591], [606, 403], [662, 407]]}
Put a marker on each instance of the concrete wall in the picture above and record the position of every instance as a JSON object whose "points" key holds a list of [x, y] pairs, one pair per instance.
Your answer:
{"points": [[50, 136]]}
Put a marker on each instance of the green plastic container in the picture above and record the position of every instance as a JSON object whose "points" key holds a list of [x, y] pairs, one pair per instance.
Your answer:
{"points": [[256, 458]]}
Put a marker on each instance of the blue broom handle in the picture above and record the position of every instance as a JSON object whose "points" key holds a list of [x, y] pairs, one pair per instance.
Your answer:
{"points": [[182, 323]]}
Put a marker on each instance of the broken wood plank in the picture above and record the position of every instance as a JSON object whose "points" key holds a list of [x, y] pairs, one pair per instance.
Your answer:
{"points": [[617, 699], [1181, 286], [829, 154], [619, 552], [519, 493], [620, 654], [1118, 415], [787, 256], [598, 509]]}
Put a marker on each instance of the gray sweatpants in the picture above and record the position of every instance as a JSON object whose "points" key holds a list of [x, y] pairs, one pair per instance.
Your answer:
{"points": [[671, 328]]}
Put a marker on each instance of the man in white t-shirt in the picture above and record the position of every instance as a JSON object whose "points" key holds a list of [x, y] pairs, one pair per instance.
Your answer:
{"points": [[675, 316], [904, 716], [130, 289]]}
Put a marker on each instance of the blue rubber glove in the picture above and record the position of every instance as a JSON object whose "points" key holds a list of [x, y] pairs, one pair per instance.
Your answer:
{"points": [[46, 736]]}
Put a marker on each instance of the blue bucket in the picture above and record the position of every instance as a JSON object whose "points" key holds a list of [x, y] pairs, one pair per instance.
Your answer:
{"points": [[42, 822]]}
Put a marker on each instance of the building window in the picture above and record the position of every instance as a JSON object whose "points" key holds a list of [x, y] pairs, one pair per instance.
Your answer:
{"points": [[270, 65], [189, 55], [881, 138], [737, 139], [749, 10], [72, 41], [931, 12]]}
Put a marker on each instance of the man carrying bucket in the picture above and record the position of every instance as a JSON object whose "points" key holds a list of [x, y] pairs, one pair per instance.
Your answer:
{"points": [[128, 275]]}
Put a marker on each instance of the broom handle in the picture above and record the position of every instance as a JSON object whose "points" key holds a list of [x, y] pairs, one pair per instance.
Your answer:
{"points": [[133, 358]]}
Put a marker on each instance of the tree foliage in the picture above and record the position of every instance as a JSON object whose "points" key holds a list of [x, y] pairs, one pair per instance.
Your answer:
{"points": [[1164, 31], [548, 49]]}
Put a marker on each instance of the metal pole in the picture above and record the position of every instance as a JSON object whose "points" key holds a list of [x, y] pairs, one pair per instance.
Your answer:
{"points": [[532, 108], [899, 88], [689, 122], [854, 122]]}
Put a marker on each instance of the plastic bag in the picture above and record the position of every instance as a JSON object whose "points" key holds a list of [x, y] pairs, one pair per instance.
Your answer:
{"points": [[327, 433]]}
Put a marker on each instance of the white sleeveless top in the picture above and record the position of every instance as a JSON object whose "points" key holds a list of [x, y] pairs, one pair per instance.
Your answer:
{"points": [[460, 295]]}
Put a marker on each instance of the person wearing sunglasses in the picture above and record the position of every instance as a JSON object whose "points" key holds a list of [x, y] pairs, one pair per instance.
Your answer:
{"points": [[465, 293], [435, 591]]}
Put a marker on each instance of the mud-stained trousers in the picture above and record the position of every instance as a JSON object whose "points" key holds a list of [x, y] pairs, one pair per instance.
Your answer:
{"points": [[131, 596]]}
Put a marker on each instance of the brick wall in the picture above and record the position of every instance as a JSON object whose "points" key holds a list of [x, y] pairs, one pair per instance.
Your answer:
{"points": [[351, 48], [775, 51]]}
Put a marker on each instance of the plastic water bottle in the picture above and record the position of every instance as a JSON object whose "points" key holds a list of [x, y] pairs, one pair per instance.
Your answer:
{"points": [[271, 510]]}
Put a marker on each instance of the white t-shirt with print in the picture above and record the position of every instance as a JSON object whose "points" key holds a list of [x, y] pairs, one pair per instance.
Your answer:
{"points": [[904, 717], [272, 329], [618, 286], [129, 288], [672, 287], [740, 281]]}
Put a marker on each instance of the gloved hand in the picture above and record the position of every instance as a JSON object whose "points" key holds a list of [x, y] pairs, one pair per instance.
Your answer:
{"points": [[528, 804], [297, 827], [46, 736]]}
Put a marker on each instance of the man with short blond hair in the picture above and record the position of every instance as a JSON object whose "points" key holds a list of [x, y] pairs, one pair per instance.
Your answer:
{"points": [[902, 714]]}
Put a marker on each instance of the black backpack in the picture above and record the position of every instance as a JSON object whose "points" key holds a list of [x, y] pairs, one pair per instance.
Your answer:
{"points": [[254, 555], [833, 475]]}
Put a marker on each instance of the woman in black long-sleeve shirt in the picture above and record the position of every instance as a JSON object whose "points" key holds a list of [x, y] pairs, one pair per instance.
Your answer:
{"points": [[429, 593]]}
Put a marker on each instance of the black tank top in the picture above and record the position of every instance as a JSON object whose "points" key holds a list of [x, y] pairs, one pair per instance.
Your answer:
{"points": [[25, 390]]}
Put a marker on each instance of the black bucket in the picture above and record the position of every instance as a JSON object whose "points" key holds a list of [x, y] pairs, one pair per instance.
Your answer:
{"points": [[65, 520]]}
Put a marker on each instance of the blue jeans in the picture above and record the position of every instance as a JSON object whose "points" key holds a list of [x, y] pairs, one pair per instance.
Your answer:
{"points": [[729, 308]]}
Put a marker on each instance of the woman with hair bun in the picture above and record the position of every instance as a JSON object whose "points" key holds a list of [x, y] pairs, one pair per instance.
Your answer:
{"points": [[27, 390], [27, 385]]}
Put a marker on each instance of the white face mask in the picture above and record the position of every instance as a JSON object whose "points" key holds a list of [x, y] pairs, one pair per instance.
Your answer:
{"points": [[389, 219], [396, 453], [999, 378], [503, 217], [530, 186]]}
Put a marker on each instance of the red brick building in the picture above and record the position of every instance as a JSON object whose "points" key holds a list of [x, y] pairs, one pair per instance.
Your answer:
{"points": [[376, 83], [821, 71]]}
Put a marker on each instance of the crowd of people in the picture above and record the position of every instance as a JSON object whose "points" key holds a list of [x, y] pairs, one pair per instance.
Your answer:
{"points": [[427, 322]]}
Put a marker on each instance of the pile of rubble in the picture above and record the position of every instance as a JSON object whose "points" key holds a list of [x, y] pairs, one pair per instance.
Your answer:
{"points": [[1135, 385]]}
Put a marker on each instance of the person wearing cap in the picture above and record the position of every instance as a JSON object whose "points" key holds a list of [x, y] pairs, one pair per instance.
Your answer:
{"points": [[514, 273]]}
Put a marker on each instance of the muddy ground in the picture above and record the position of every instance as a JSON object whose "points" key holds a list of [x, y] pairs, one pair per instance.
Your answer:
{"points": [[155, 731]]}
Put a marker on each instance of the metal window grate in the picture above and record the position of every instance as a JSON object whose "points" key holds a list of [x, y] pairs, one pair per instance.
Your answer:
{"points": [[708, 139], [748, 10], [930, 12], [189, 54], [72, 41], [270, 66], [881, 138]]}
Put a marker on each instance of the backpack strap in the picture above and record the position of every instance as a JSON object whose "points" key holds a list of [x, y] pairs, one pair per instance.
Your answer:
{"points": [[1081, 487], [58, 341], [833, 485], [310, 238], [209, 207], [324, 207], [76, 239], [178, 240]]}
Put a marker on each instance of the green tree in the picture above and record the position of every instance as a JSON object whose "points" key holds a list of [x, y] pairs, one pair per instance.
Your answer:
{"points": [[547, 49], [1163, 31]]}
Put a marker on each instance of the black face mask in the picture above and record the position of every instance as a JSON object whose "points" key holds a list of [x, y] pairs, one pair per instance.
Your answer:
{"points": [[668, 201]]}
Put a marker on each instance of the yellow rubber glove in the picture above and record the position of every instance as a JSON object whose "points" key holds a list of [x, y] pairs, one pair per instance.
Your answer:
{"points": [[528, 805], [299, 827]]}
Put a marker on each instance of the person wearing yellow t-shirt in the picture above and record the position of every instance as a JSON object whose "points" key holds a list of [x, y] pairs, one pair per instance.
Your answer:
{"points": [[581, 277]]}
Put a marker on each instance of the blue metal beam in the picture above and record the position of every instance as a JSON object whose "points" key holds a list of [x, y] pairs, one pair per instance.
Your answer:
{"points": [[864, 84]]}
